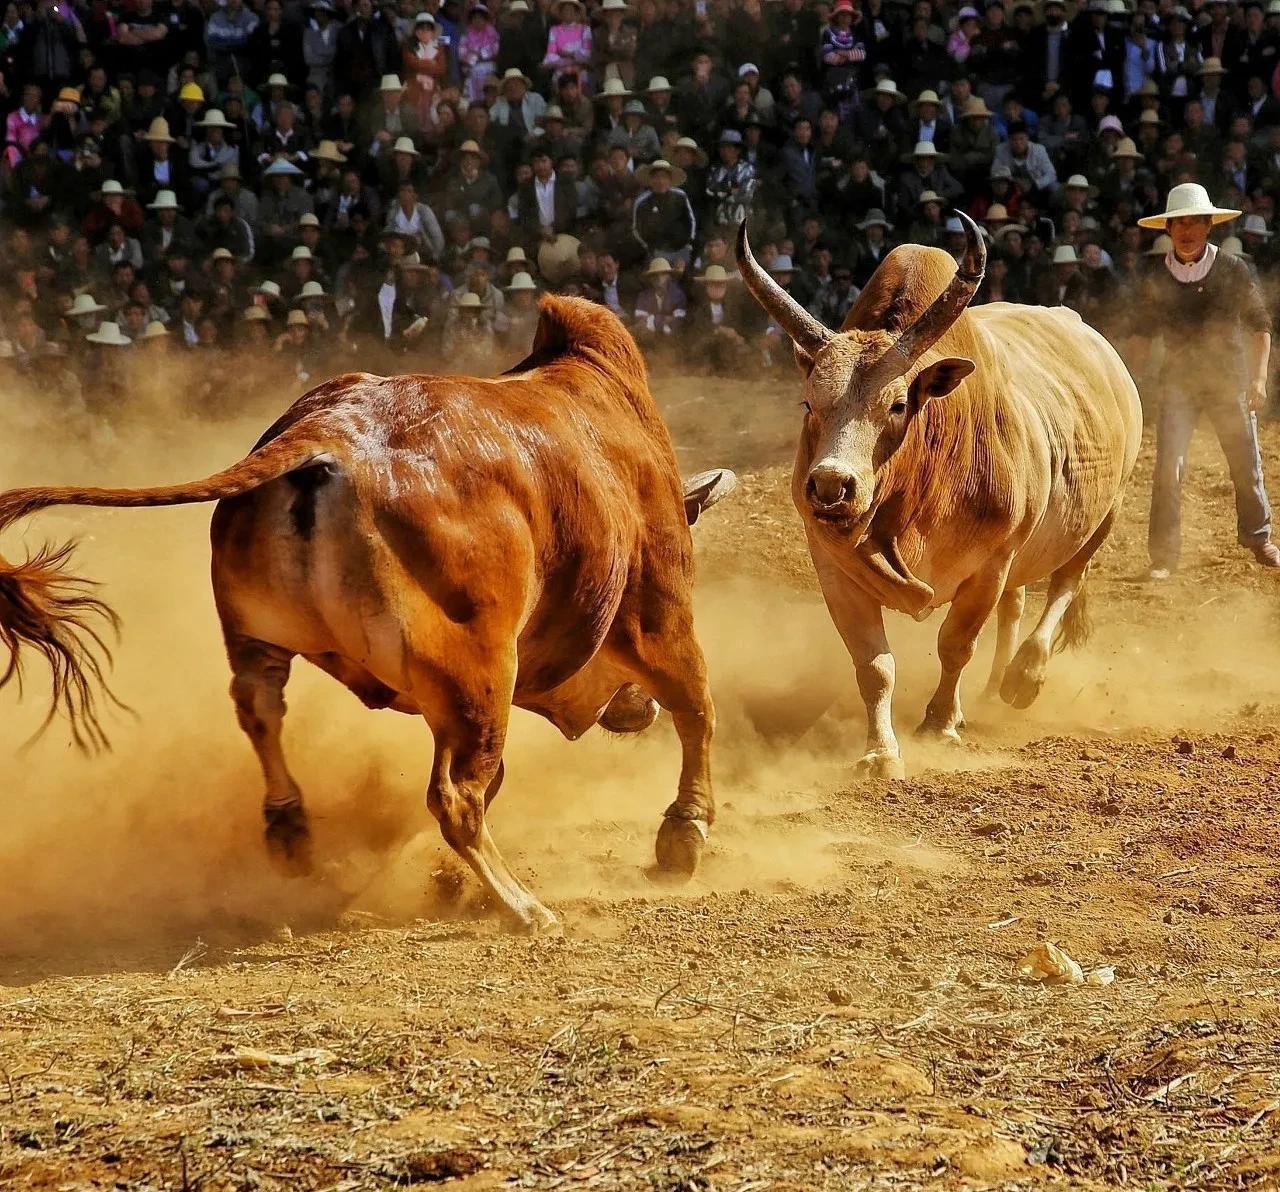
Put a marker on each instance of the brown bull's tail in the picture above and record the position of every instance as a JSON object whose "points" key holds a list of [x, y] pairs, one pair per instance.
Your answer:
{"points": [[54, 613], [1076, 626]]}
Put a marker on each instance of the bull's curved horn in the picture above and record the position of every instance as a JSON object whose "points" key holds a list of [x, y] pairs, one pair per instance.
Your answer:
{"points": [[946, 307], [797, 322]]}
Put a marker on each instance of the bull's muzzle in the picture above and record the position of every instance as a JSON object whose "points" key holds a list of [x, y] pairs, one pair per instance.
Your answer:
{"points": [[830, 491]]}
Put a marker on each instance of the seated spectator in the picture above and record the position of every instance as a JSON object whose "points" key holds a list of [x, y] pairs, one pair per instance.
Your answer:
{"points": [[663, 219], [416, 221], [660, 307]]}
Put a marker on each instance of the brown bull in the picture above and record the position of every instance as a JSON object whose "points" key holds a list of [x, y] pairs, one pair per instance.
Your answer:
{"points": [[447, 547], [952, 456]]}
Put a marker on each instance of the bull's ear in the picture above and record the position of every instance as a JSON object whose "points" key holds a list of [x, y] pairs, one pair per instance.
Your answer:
{"points": [[705, 489], [940, 378], [804, 362]]}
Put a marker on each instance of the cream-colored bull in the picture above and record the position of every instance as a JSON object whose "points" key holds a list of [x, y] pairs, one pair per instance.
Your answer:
{"points": [[952, 456]]}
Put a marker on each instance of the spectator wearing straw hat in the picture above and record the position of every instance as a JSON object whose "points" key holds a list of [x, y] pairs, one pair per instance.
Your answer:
{"points": [[927, 173], [661, 307], [209, 156], [518, 107], [158, 166], [1202, 296], [281, 204], [521, 312], [718, 323], [662, 217], [167, 224]]}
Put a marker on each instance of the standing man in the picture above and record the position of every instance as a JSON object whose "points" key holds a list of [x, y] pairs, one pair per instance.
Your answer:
{"points": [[1217, 340]]}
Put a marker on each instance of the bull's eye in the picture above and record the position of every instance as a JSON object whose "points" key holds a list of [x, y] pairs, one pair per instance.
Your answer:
{"points": [[899, 406], [808, 409]]}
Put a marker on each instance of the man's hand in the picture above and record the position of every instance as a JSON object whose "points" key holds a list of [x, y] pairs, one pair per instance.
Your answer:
{"points": [[1257, 394]]}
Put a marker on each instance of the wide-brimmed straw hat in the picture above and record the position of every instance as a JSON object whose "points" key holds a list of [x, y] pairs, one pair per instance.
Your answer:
{"points": [[155, 330], [929, 196], [1161, 246], [1064, 254], [614, 87], [1255, 225], [715, 273], [109, 335], [257, 314], [282, 166], [929, 95], [699, 153], [472, 147], [1233, 247], [113, 187], [405, 145], [516, 253], [976, 107], [471, 300], [390, 82], [657, 267], [875, 219], [1211, 66], [522, 281], [1126, 148], [644, 173], [165, 200], [658, 83], [886, 87], [328, 151], [514, 72], [85, 304], [214, 118], [297, 318], [1188, 199], [158, 131], [312, 289]]}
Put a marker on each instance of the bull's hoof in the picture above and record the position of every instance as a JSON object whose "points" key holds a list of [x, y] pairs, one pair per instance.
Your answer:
{"points": [[878, 765], [939, 734], [532, 920], [679, 847], [288, 839], [1022, 681], [630, 711]]}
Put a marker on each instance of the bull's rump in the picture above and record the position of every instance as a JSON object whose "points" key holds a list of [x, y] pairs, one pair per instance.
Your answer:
{"points": [[448, 519], [1070, 393]]}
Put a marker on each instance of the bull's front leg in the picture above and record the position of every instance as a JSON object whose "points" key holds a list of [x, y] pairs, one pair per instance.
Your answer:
{"points": [[973, 603], [860, 623]]}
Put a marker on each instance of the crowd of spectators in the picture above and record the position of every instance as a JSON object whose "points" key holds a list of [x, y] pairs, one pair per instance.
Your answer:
{"points": [[341, 185]]}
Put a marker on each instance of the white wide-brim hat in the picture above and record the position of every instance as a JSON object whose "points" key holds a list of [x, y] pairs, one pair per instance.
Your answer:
{"points": [[1188, 199]]}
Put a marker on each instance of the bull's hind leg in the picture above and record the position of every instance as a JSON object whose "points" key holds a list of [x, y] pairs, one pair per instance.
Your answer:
{"points": [[468, 713], [1008, 620], [260, 673], [972, 605], [1026, 673]]}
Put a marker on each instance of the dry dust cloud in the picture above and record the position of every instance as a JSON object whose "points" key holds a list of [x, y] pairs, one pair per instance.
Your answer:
{"points": [[162, 838]]}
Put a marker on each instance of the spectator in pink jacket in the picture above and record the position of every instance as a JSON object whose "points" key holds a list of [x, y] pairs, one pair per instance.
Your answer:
{"points": [[24, 125], [569, 42], [478, 51]]}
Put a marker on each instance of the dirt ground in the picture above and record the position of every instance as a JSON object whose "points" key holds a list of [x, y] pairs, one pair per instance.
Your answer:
{"points": [[831, 1004]]}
